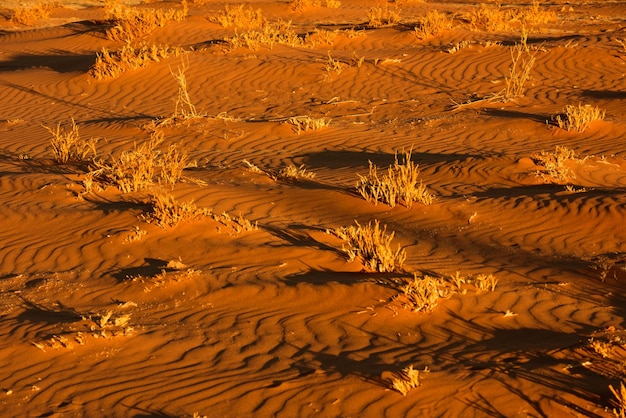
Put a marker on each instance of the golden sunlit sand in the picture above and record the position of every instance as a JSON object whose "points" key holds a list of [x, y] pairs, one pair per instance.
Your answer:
{"points": [[314, 208]]}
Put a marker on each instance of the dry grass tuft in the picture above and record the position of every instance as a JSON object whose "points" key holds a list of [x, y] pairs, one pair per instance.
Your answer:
{"points": [[67, 145], [406, 380], [184, 108], [578, 118], [422, 293], [372, 245], [31, 16], [289, 172], [519, 74], [113, 64], [132, 23], [240, 17], [237, 224], [306, 123], [300, 5], [620, 400], [382, 16], [401, 184], [167, 212], [499, 19], [555, 165], [431, 25]]}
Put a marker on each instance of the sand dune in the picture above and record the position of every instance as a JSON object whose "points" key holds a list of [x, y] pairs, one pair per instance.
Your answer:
{"points": [[106, 313]]}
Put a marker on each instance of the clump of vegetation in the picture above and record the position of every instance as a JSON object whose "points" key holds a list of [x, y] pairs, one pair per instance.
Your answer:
{"points": [[372, 245], [289, 172], [140, 167], [382, 16], [578, 118], [167, 212], [401, 184], [519, 74], [422, 293], [431, 25], [131, 23], [499, 19], [555, 164], [620, 400], [300, 5], [240, 17], [307, 123], [67, 144], [406, 380], [112, 64], [30, 16]]}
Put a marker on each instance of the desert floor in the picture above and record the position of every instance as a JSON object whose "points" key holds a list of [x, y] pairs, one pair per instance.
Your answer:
{"points": [[103, 312]]}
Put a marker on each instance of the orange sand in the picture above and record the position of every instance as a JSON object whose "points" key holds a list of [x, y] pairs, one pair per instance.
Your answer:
{"points": [[277, 322]]}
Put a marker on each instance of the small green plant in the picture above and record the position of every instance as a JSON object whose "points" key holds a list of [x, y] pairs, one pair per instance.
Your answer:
{"points": [[401, 184], [67, 145], [372, 245], [578, 118], [406, 380]]}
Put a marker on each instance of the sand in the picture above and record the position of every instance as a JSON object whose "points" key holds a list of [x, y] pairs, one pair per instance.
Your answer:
{"points": [[105, 314]]}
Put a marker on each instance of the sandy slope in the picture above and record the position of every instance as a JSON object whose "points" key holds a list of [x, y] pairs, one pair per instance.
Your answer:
{"points": [[276, 322]]}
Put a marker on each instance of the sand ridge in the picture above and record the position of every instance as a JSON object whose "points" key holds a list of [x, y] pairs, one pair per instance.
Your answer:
{"points": [[106, 314]]}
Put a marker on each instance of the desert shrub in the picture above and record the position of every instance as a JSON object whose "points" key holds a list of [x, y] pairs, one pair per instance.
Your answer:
{"points": [[578, 118], [519, 73], [620, 400], [67, 145], [406, 380], [401, 184], [431, 25], [240, 17], [184, 108], [372, 245], [236, 224], [113, 64], [270, 34], [555, 164], [306, 123], [299, 5], [382, 16], [30, 16], [289, 172], [132, 23], [167, 212], [499, 19]]}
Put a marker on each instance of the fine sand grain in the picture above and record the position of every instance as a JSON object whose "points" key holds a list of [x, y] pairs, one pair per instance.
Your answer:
{"points": [[249, 306]]}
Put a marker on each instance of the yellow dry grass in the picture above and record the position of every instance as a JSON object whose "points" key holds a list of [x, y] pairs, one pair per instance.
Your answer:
{"points": [[112, 64], [401, 184], [431, 25], [495, 18], [67, 144], [372, 245], [578, 118], [130, 23], [30, 16], [555, 164], [406, 380], [383, 16]]}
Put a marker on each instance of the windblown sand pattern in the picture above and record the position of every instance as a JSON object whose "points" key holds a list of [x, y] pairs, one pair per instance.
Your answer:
{"points": [[105, 314]]}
